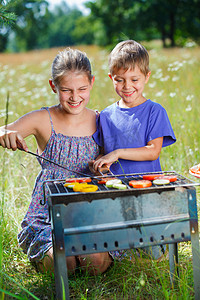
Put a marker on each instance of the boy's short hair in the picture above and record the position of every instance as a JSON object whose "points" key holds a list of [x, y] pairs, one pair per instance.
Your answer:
{"points": [[126, 55]]}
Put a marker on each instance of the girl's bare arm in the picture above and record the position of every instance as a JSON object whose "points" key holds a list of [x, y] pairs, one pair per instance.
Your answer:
{"points": [[33, 123]]}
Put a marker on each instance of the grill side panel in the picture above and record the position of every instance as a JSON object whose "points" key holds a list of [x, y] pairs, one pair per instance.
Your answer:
{"points": [[126, 222]]}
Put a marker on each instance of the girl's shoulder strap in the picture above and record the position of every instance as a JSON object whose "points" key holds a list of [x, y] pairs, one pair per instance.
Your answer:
{"points": [[47, 108], [97, 114]]}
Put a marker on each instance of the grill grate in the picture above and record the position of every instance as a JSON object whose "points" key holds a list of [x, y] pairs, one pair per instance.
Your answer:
{"points": [[57, 188]]}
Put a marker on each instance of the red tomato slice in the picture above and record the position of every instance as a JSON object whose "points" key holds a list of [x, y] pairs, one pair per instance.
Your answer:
{"points": [[104, 180], [171, 178], [140, 183], [152, 176], [83, 179], [71, 180]]}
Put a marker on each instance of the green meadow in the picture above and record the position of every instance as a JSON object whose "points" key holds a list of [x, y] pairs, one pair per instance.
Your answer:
{"points": [[175, 84]]}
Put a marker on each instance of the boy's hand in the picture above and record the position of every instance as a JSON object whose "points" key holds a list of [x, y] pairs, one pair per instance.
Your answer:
{"points": [[12, 140], [106, 160]]}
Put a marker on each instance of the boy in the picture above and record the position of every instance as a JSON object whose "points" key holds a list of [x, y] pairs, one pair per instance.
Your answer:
{"points": [[133, 130]]}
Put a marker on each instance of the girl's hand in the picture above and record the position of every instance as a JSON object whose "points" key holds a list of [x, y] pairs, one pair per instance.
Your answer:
{"points": [[91, 168], [106, 160], [12, 140]]}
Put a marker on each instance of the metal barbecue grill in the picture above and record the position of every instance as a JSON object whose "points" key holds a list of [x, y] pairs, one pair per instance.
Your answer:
{"points": [[110, 219]]}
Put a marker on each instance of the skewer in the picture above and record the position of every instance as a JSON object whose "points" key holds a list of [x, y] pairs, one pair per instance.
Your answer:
{"points": [[53, 162], [104, 170], [101, 170]]}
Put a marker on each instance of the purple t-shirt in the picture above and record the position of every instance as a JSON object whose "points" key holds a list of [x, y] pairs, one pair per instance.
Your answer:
{"points": [[134, 127]]}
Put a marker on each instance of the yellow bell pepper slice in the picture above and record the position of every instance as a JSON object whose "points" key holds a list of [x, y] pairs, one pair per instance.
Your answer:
{"points": [[84, 187], [89, 188]]}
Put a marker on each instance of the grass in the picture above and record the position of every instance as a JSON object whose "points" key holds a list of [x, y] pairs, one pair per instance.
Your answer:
{"points": [[174, 83]]}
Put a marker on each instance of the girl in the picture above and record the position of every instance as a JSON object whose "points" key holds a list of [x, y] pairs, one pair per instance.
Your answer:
{"points": [[63, 134]]}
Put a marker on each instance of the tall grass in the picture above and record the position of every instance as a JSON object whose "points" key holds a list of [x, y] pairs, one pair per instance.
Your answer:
{"points": [[175, 84]]}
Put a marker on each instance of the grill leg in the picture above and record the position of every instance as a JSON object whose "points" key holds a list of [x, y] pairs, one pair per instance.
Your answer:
{"points": [[61, 278], [194, 241], [60, 266], [173, 261], [196, 263]]}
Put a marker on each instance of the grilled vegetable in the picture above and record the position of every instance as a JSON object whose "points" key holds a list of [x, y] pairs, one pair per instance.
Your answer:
{"points": [[161, 181], [152, 176], [111, 182], [171, 178], [69, 184], [119, 186], [84, 187], [82, 179], [105, 179], [140, 183], [89, 188]]}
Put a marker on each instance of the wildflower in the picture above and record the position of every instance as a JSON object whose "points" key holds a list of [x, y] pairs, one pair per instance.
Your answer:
{"points": [[172, 95], [152, 84], [189, 97], [175, 66], [104, 66], [45, 63], [12, 72], [37, 96], [3, 90], [190, 152], [164, 78], [22, 90], [188, 108], [175, 78], [112, 100], [3, 113], [158, 74], [159, 94], [29, 93], [142, 282]]}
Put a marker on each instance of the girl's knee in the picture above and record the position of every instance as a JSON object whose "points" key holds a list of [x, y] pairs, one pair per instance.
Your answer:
{"points": [[95, 263], [47, 263], [71, 264]]}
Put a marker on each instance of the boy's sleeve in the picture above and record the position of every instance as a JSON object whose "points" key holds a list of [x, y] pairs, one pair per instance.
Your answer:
{"points": [[98, 135], [160, 126]]}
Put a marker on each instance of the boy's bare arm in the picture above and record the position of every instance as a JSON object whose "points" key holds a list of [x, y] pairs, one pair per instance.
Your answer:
{"points": [[149, 152]]}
